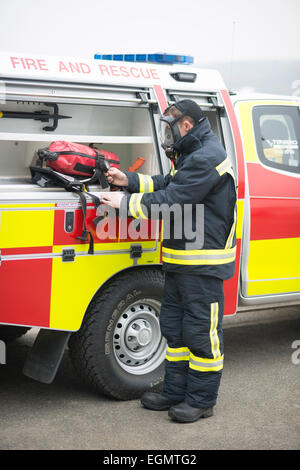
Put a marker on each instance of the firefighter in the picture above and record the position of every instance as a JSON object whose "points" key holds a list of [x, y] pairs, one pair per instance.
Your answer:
{"points": [[201, 180]]}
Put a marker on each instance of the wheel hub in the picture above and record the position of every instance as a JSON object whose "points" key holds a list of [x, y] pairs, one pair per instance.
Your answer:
{"points": [[139, 334], [138, 344]]}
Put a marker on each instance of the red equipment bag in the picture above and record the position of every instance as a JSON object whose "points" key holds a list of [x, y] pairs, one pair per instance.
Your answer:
{"points": [[74, 159], [74, 166], [78, 159]]}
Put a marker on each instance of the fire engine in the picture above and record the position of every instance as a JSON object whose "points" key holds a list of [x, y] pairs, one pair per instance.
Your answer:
{"points": [[104, 307]]}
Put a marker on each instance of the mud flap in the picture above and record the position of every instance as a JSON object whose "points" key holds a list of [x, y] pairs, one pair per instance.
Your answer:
{"points": [[45, 355]]}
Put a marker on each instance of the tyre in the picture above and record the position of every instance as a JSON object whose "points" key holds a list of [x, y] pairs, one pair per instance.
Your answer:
{"points": [[11, 333], [119, 350]]}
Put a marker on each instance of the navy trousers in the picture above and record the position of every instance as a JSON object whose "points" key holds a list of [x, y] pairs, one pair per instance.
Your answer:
{"points": [[191, 321]]}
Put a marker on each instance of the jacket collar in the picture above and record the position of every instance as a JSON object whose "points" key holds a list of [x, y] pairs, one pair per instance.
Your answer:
{"points": [[192, 140]]}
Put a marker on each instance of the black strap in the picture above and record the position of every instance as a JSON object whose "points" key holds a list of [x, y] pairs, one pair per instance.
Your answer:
{"points": [[49, 155], [97, 173], [99, 176], [84, 168], [85, 233], [46, 177], [97, 203]]}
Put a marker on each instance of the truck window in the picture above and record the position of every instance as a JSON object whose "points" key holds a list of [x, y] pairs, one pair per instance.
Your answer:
{"points": [[277, 134]]}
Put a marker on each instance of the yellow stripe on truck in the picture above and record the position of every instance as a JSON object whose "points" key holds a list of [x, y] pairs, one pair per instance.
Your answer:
{"points": [[26, 228], [240, 214], [269, 270], [74, 283]]}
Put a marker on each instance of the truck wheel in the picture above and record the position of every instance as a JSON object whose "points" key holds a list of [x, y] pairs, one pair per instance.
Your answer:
{"points": [[119, 350]]}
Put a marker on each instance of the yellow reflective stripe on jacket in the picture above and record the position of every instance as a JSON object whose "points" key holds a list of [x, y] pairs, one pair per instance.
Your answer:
{"points": [[213, 333], [224, 166], [198, 257], [206, 365], [135, 207], [146, 183], [173, 171], [232, 231], [178, 354]]}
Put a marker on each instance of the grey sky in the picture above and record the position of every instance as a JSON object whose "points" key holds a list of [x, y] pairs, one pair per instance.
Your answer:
{"points": [[245, 39], [208, 30]]}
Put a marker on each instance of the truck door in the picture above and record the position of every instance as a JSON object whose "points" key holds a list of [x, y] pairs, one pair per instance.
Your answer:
{"points": [[271, 250]]}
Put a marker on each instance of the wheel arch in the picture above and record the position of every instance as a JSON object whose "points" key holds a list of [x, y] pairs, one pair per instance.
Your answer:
{"points": [[93, 347], [115, 276]]}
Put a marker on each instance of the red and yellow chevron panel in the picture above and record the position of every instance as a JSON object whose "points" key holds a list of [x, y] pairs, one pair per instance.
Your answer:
{"points": [[36, 287], [25, 286]]}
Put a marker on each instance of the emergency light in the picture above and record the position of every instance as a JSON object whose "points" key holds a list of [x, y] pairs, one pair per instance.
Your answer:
{"points": [[157, 58]]}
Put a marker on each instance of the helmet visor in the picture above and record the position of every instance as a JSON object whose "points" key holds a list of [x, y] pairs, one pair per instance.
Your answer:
{"points": [[166, 133]]}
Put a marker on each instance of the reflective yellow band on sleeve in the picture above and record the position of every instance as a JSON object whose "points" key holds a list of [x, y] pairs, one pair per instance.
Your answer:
{"points": [[135, 207], [206, 365], [141, 182], [146, 183], [132, 206]]}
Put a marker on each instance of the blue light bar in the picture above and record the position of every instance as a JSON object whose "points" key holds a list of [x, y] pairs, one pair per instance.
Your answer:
{"points": [[152, 58]]}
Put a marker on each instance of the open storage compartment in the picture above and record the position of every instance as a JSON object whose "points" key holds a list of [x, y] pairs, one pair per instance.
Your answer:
{"points": [[121, 123]]}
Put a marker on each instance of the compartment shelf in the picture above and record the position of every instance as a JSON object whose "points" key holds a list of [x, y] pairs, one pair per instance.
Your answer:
{"points": [[109, 139]]}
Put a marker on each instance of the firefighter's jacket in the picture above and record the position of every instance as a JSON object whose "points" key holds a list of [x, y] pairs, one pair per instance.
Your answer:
{"points": [[200, 190]]}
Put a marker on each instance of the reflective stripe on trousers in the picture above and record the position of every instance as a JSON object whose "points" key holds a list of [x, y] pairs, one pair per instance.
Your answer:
{"points": [[202, 364], [191, 322]]}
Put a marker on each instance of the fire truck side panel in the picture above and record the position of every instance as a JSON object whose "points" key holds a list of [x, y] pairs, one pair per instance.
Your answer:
{"points": [[26, 235], [25, 286], [26, 225], [37, 287], [74, 284], [274, 197]]}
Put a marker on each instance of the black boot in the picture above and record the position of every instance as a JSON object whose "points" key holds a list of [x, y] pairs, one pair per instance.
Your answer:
{"points": [[185, 413], [157, 402]]}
